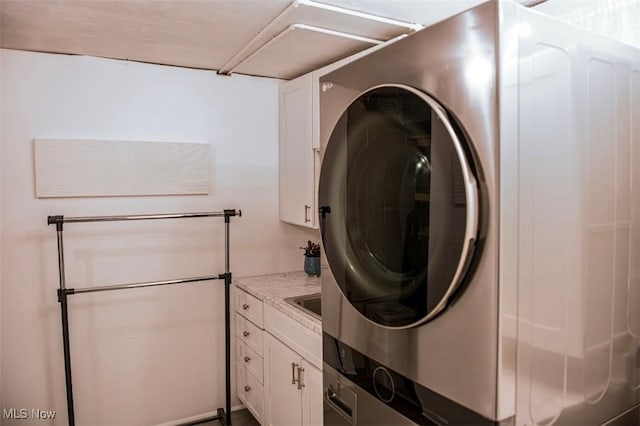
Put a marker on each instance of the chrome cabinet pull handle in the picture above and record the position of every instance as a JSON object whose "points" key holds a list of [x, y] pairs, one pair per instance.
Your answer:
{"points": [[247, 388], [245, 306], [245, 333], [247, 359], [300, 378], [306, 213], [293, 373]]}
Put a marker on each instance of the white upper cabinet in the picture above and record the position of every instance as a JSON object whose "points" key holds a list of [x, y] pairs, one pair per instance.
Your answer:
{"points": [[300, 144], [297, 156]]}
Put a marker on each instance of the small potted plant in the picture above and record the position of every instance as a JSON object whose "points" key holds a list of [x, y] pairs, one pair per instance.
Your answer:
{"points": [[312, 259]]}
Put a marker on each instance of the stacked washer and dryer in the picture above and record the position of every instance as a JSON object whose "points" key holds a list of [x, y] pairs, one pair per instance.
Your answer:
{"points": [[480, 216]]}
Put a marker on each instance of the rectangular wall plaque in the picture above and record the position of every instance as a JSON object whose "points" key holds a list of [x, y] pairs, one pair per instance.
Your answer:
{"points": [[99, 168]]}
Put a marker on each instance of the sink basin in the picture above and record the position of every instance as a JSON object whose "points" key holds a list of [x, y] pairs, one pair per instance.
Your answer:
{"points": [[309, 303]]}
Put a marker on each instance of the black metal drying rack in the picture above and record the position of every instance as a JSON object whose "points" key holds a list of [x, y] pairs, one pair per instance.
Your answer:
{"points": [[222, 414]]}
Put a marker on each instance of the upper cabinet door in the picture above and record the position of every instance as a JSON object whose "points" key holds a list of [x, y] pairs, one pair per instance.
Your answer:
{"points": [[297, 168]]}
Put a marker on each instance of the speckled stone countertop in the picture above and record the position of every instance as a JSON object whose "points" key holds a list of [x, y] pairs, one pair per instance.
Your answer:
{"points": [[274, 288]]}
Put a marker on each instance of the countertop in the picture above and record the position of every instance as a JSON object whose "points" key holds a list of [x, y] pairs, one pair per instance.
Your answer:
{"points": [[272, 289]]}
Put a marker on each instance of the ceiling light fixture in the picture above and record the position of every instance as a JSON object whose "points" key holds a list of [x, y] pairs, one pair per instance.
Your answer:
{"points": [[358, 14], [306, 27], [252, 47]]}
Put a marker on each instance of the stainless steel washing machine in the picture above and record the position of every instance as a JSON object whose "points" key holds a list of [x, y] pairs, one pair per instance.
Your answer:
{"points": [[420, 222]]}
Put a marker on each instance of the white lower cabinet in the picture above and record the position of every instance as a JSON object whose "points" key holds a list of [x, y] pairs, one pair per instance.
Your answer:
{"points": [[250, 392], [279, 383], [249, 360], [293, 387], [311, 395]]}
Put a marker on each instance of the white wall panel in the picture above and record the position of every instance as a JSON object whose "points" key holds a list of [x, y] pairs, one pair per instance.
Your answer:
{"points": [[88, 168]]}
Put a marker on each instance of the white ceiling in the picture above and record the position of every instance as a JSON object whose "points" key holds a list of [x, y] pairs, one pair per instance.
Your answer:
{"points": [[209, 33]]}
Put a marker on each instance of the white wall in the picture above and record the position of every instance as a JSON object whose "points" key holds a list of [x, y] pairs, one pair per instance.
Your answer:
{"points": [[139, 356]]}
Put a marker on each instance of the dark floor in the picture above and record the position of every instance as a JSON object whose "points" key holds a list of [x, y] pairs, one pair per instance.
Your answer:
{"points": [[238, 418]]}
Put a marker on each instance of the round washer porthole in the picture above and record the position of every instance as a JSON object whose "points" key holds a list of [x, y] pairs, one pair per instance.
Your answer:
{"points": [[400, 205]]}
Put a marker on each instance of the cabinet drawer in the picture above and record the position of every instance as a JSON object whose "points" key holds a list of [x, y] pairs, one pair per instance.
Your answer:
{"points": [[251, 393], [250, 307], [249, 333], [250, 360]]}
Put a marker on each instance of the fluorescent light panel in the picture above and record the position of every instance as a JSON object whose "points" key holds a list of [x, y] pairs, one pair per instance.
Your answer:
{"points": [[335, 33], [363, 15], [243, 55], [306, 27]]}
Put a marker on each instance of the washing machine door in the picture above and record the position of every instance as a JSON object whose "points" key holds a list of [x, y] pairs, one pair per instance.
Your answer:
{"points": [[399, 206]]}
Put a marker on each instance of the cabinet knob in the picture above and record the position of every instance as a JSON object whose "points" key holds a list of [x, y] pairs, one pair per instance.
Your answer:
{"points": [[245, 306], [247, 388], [245, 333], [247, 359]]}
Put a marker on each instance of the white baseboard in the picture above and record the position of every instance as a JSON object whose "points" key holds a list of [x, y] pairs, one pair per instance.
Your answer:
{"points": [[198, 417]]}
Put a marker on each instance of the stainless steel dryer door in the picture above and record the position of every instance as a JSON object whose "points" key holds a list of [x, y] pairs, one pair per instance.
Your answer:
{"points": [[399, 206]]}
